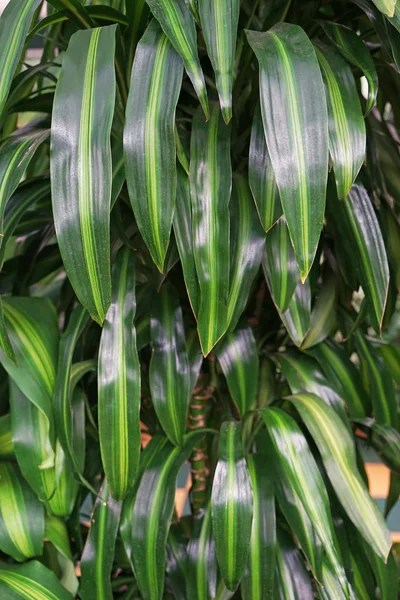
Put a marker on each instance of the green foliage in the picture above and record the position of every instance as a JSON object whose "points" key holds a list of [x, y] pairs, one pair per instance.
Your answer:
{"points": [[200, 242]]}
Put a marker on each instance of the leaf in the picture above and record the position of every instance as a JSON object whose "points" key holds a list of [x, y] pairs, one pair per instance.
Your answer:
{"points": [[14, 25], [246, 246], [169, 366], [201, 558], [261, 175], [6, 442], [330, 586], [30, 580], [5, 343], [280, 265], [381, 387], [152, 512], [219, 21], [80, 150], [184, 238], [98, 553], [295, 121], [347, 137], [258, 578], [297, 317], [356, 53], [293, 580], [387, 7], [21, 516], [343, 375], [149, 139], [300, 472], [210, 187], [391, 356], [176, 562], [56, 532], [119, 382], [337, 451], [231, 505], [323, 315], [238, 356], [78, 12], [178, 24]]}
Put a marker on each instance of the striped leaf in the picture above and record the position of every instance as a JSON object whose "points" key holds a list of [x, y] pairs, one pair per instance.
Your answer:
{"points": [[356, 53], [178, 24], [300, 471], [169, 365], [342, 375], [210, 187], [387, 7], [98, 553], [323, 315], [30, 580], [78, 12], [238, 356], [281, 269], [294, 114], [5, 343], [14, 25], [292, 578], [219, 21], [261, 175], [80, 150], [338, 455], [258, 578], [6, 441], [184, 238], [347, 136], [297, 317], [152, 512], [391, 356], [57, 534], [231, 506], [330, 586], [119, 382], [149, 139], [246, 246], [21, 516], [201, 558]]}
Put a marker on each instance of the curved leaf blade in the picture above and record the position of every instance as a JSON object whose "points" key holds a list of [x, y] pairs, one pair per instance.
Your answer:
{"points": [[30, 580], [295, 121], [80, 150], [293, 580], [149, 138], [387, 7], [201, 558]]}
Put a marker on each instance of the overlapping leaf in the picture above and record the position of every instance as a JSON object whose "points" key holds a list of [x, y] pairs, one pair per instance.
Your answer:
{"points": [[30, 580]]}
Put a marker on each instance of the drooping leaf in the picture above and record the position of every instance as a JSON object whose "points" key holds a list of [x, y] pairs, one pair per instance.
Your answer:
{"points": [[98, 553], [210, 187], [119, 382], [201, 558], [30, 580], [294, 114], [347, 136], [356, 53], [149, 138], [21, 516], [261, 175], [258, 578], [297, 317], [338, 455], [178, 24], [219, 21], [80, 150], [323, 315], [246, 247], [231, 506], [280, 265], [14, 24], [238, 356]]}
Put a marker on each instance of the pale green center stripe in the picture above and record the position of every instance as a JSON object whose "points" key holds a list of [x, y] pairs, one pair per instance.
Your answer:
{"points": [[231, 528], [12, 512]]}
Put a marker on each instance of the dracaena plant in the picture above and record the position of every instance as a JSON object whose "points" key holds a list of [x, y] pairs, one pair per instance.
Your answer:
{"points": [[200, 250]]}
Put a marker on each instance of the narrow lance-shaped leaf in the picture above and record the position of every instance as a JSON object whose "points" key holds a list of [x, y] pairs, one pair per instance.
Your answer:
{"points": [[80, 150], [346, 125], [30, 580], [178, 24], [294, 114], [201, 558], [261, 175], [77, 10], [14, 25], [323, 314], [297, 317], [5, 343], [98, 553], [293, 580], [210, 187], [21, 516], [231, 505], [6, 441], [149, 138], [246, 244], [184, 238], [219, 20], [356, 53], [119, 382], [238, 356], [338, 455], [258, 578], [169, 365], [280, 265], [300, 470]]}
